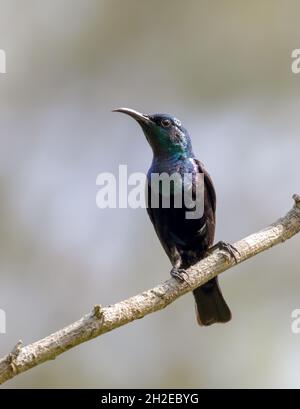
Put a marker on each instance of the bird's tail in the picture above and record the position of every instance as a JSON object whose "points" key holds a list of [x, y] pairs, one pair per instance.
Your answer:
{"points": [[210, 304]]}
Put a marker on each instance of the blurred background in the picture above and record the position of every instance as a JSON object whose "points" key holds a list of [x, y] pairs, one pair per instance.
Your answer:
{"points": [[224, 69]]}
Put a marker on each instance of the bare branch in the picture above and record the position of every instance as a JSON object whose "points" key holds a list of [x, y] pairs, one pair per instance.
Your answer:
{"points": [[104, 319]]}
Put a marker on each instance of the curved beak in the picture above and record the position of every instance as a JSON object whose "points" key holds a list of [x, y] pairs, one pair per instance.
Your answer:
{"points": [[138, 116]]}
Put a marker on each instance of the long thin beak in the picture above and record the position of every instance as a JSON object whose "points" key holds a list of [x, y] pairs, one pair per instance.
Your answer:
{"points": [[138, 116]]}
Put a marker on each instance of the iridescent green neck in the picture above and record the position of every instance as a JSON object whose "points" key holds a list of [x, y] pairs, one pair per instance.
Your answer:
{"points": [[165, 147]]}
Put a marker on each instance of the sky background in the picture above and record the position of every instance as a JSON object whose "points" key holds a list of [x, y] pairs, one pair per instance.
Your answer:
{"points": [[222, 68]]}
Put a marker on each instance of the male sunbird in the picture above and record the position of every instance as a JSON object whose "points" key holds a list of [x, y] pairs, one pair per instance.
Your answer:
{"points": [[185, 240]]}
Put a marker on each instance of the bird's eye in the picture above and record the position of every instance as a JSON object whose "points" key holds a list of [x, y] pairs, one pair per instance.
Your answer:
{"points": [[166, 123]]}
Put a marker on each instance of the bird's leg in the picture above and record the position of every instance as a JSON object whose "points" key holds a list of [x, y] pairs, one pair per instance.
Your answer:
{"points": [[229, 248], [177, 272]]}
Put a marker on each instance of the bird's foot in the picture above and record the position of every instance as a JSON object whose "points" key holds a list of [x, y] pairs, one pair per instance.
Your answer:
{"points": [[229, 248], [180, 274]]}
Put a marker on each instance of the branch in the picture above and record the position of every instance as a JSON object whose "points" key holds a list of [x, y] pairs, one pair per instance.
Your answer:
{"points": [[105, 319]]}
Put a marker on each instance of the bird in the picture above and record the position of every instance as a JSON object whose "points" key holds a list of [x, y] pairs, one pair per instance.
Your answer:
{"points": [[185, 240]]}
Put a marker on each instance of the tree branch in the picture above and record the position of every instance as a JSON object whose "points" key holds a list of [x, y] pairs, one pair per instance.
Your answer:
{"points": [[104, 319]]}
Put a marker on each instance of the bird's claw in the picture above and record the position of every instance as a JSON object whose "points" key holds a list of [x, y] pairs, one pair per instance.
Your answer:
{"points": [[229, 248], [179, 274]]}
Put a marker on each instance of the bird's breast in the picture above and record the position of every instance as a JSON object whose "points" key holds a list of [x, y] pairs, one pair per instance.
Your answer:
{"points": [[180, 173], [172, 165]]}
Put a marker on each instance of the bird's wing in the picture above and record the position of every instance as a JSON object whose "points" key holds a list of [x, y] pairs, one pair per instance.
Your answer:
{"points": [[209, 186]]}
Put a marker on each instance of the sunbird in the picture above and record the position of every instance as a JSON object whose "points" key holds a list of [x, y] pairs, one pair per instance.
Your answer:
{"points": [[185, 240]]}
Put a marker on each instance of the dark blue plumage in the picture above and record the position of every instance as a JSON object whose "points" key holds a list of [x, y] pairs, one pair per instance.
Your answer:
{"points": [[184, 240]]}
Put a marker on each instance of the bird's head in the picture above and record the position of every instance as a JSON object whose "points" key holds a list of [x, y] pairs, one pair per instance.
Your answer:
{"points": [[164, 132]]}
